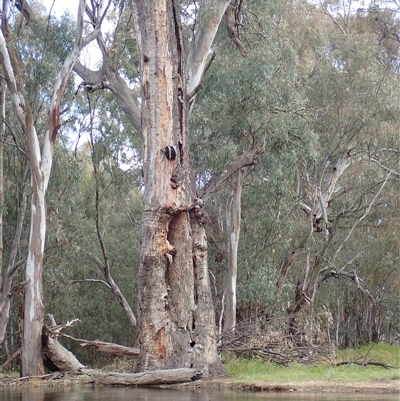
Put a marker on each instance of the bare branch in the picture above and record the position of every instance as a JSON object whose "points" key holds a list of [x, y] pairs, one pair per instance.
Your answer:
{"points": [[329, 14], [367, 210], [10, 359], [92, 280], [384, 167], [97, 23], [107, 78], [248, 158], [17, 98]]}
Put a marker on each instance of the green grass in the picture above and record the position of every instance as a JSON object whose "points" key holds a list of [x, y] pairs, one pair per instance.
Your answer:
{"points": [[252, 370], [381, 352]]}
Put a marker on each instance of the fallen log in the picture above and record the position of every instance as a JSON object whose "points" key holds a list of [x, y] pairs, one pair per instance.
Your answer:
{"points": [[366, 363], [56, 356], [111, 348], [169, 376]]}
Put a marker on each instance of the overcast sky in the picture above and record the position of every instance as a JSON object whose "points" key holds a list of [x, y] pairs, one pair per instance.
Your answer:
{"points": [[60, 6]]}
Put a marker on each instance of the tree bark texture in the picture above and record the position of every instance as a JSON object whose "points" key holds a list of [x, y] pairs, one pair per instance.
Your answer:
{"points": [[110, 348], [176, 315]]}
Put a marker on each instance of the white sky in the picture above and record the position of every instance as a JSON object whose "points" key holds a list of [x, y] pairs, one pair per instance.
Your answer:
{"points": [[90, 56], [58, 7]]}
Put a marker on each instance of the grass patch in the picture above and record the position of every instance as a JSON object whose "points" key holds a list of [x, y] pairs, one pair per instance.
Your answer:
{"points": [[253, 370], [386, 353]]}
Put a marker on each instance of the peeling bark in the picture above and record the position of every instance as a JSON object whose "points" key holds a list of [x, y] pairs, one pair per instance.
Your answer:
{"points": [[176, 314]]}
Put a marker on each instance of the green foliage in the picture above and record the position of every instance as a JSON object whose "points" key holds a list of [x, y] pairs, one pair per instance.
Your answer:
{"points": [[94, 176], [308, 87]]}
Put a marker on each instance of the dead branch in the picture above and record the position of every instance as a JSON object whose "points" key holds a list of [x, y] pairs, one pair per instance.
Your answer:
{"points": [[91, 280], [114, 349], [10, 359], [366, 363], [247, 158], [272, 343], [58, 357]]}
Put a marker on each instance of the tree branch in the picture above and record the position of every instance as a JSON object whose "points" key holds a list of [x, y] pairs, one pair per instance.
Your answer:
{"points": [[209, 20], [92, 280], [247, 158], [107, 78], [367, 210]]}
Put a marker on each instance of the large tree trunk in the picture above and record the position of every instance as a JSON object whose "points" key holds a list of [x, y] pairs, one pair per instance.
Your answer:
{"points": [[176, 314]]}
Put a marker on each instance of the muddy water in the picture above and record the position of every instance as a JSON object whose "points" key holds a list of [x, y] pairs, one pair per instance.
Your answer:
{"points": [[136, 394]]}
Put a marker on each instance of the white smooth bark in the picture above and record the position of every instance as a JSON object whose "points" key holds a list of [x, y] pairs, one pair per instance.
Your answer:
{"points": [[41, 164], [209, 20], [233, 216]]}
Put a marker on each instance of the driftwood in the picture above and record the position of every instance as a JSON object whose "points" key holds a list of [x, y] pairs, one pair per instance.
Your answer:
{"points": [[111, 348], [170, 376]]}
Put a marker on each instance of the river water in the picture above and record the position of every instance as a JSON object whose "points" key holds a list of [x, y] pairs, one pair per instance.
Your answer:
{"points": [[145, 394]]}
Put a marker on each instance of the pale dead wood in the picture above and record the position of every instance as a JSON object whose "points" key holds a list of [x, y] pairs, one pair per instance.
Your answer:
{"points": [[102, 346], [170, 376], [209, 21], [110, 348], [63, 359]]}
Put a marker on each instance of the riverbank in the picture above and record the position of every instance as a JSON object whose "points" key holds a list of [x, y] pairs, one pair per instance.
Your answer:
{"points": [[383, 386], [372, 369], [309, 386]]}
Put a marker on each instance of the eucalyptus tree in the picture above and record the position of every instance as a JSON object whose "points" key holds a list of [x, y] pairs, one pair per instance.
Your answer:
{"points": [[350, 92], [246, 100], [174, 311], [176, 316], [85, 204], [115, 179], [40, 164]]}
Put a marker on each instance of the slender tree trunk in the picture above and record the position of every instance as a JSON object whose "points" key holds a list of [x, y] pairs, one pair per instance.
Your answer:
{"points": [[2, 130], [8, 289], [41, 164], [233, 214], [31, 355], [176, 314]]}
